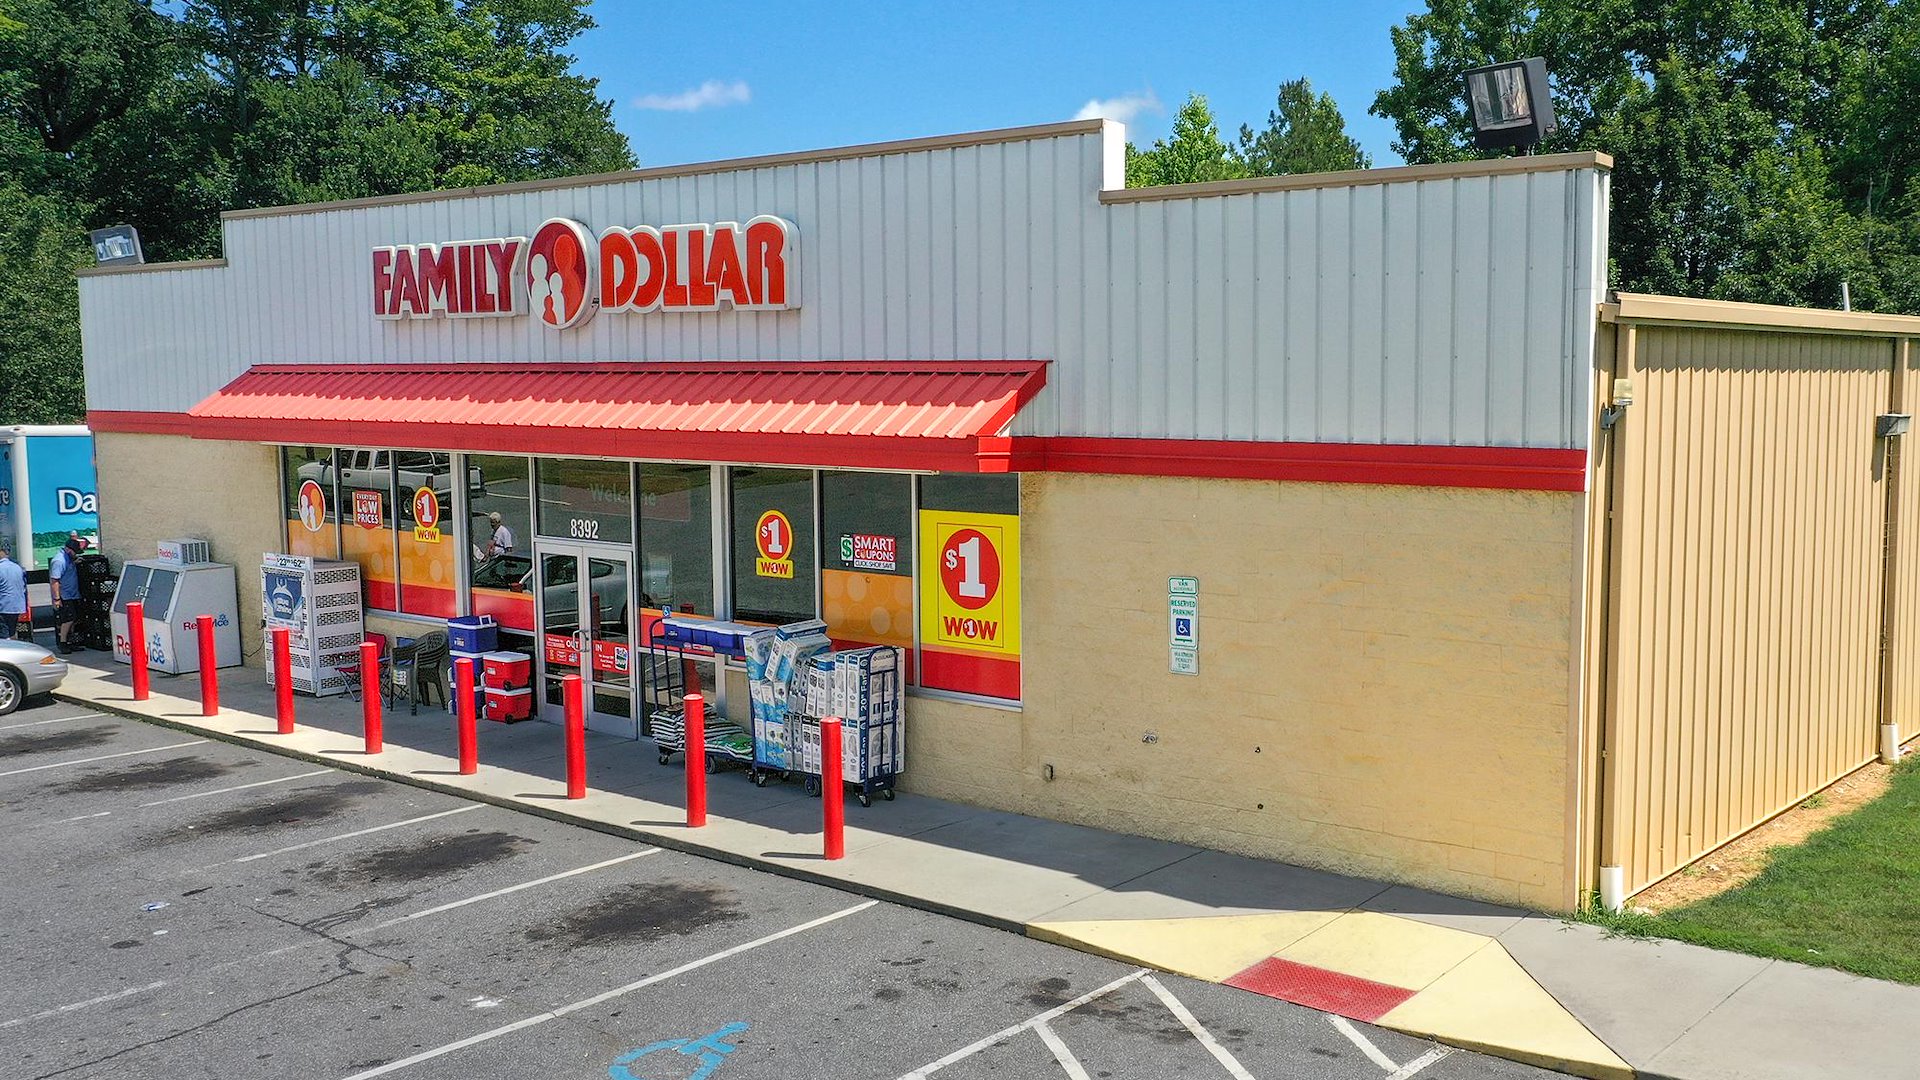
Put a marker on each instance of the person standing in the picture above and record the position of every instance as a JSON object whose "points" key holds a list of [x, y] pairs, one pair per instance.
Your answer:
{"points": [[502, 541], [63, 574], [13, 594]]}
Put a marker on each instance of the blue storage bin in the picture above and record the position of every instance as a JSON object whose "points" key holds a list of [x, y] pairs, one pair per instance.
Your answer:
{"points": [[473, 634]]}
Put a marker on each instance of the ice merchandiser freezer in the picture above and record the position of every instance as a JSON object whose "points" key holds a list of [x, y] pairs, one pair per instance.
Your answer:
{"points": [[174, 595], [318, 602]]}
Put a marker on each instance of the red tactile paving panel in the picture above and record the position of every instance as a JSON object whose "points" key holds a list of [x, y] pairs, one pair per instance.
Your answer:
{"points": [[1317, 988]]}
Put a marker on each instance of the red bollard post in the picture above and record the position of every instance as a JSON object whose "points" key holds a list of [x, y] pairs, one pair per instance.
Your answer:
{"points": [[833, 794], [209, 668], [370, 716], [137, 644], [469, 739], [696, 732], [576, 737], [283, 678]]}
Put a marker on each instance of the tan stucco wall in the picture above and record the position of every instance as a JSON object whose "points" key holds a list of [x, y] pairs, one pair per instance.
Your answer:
{"points": [[158, 487], [1384, 671], [1383, 687]]}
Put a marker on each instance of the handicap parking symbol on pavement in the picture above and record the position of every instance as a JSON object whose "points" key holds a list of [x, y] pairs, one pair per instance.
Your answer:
{"points": [[710, 1051]]}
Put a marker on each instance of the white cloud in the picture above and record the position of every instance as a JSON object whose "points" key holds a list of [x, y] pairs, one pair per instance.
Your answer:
{"points": [[712, 94], [1123, 108]]}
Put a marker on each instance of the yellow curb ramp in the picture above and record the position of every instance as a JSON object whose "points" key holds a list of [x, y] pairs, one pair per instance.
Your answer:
{"points": [[1490, 1004], [1385, 949], [1213, 948]]}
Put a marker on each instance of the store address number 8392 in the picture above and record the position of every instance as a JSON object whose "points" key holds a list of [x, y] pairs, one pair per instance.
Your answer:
{"points": [[583, 529]]}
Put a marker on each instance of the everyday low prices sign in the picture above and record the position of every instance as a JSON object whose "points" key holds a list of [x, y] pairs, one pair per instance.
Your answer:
{"points": [[367, 510]]}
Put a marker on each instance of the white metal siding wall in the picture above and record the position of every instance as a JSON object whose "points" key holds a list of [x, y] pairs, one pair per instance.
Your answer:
{"points": [[1439, 311]]}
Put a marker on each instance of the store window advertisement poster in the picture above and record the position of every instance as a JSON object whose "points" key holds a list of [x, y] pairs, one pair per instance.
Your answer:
{"points": [[970, 602]]}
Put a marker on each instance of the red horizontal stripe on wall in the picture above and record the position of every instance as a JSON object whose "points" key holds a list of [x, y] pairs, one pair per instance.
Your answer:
{"points": [[140, 423], [969, 673], [1512, 468]]}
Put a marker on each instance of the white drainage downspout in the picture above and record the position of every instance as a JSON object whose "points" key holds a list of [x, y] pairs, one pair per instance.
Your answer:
{"points": [[1613, 888], [1889, 744]]}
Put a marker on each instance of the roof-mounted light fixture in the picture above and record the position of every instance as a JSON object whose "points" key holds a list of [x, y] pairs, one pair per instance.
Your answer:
{"points": [[1509, 104]]}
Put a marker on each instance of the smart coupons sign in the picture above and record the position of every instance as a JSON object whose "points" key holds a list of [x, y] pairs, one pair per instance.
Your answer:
{"points": [[970, 602], [563, 274]]}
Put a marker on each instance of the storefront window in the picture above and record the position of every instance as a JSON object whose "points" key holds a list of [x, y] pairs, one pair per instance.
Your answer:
{"points": [[309, 504], [866, 558], [676, 538], [423, 485], [774, 567], [969, 584], [366, 516], [585, 500], [499, 528]]}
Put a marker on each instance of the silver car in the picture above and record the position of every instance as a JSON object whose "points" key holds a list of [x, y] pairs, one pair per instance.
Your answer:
{"points": [[26, 669]]}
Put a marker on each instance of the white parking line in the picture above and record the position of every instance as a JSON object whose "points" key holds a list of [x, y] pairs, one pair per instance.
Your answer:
{"points": [[1174, 1006], [1421, 1062], [1365, 1044], [351, 835], [240, 787], [1075, 1070], [105, 757], [83, 817], [587, 1003], [101, 1000], [1007, 1033], [55, 720], [1395, 1072], [471, 900], [515, 888]]}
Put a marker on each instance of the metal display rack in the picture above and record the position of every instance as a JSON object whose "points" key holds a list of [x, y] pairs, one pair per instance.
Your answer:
{"points": [[871, 742], [675, 645]]}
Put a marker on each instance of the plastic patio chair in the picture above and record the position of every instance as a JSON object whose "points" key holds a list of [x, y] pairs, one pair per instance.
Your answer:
{"points": [[419, 666]]}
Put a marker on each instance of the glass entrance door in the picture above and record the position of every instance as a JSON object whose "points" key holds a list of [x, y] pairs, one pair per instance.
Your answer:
{"points": [[586, 629]]}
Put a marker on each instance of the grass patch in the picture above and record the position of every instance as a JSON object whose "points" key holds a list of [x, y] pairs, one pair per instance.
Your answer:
{"points": [[1847, 898]]}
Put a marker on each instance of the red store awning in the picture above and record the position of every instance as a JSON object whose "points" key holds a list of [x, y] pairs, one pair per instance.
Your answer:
{"points": [[938, 415]]}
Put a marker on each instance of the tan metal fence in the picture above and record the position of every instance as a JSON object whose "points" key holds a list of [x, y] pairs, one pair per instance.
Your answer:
{"points": [[1745, 571]]}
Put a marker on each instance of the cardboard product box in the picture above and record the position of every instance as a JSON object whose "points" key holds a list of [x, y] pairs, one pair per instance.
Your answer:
{"points": [[758, 648], [808, 628]]}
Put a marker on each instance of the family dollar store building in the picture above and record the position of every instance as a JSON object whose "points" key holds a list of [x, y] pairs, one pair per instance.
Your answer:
{"points": [[1300, 517]]}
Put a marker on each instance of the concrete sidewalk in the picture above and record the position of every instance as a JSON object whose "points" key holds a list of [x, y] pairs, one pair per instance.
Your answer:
{"points": [[1520, 985]]}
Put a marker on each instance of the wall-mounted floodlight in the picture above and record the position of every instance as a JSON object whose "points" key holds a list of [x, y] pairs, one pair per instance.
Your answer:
{"points": [[117, 246], [1509, 104]]}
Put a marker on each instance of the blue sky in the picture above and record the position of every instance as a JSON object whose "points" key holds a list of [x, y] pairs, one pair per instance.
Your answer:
{"points": [[697, 82]]}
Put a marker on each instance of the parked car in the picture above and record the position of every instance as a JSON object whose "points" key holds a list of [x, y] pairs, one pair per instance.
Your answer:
{"points": [[26, 669], [514, 574], [371, 469]]}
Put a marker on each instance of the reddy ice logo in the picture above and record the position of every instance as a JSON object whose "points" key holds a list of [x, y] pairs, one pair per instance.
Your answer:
{"points": [[560, 277]]}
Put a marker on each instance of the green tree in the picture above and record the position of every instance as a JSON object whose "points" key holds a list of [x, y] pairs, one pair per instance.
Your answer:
{"points": [[1193, 154], [41, 245], [1305, 133], [1732, 127]]}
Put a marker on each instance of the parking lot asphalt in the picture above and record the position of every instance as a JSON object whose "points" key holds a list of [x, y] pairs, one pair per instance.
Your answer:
{"points": [[174, 907]]}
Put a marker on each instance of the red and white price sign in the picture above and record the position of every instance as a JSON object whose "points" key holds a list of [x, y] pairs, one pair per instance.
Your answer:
{"points": [[773, 536], [970, 569], [426, 516], [368, 510]]}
